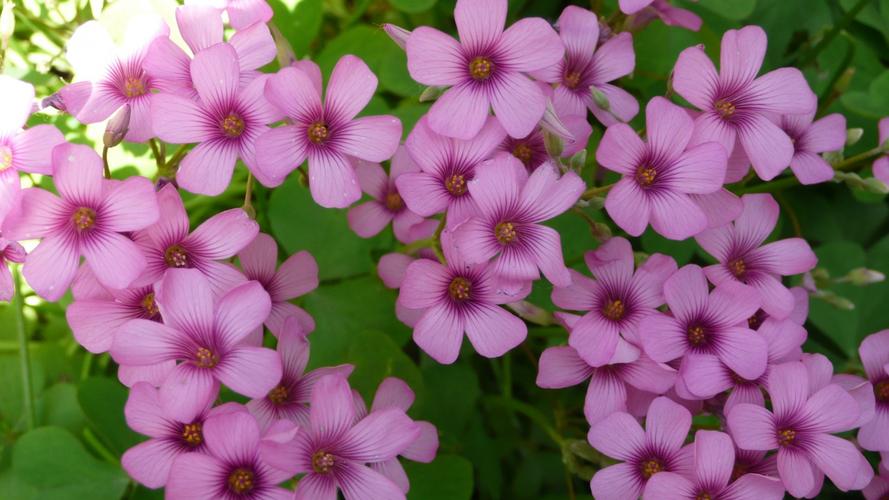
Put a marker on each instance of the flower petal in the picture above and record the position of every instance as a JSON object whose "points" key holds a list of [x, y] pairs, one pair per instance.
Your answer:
{"points": [[216, 75], [439, 333], [435, 58]]}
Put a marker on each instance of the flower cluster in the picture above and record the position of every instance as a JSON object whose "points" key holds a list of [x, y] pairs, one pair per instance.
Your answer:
{"points": [[471, 193]]}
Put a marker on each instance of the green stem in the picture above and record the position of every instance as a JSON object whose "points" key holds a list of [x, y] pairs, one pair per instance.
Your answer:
{"points": [[248, 197], [24, 354], [595, 191], [105, 162], [506, 380], [99, 448], [533, 414], [412, 248]]}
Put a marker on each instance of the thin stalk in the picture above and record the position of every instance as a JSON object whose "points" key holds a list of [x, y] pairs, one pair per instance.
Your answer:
{"points": [[595, 191], [105, 162], [24, 354], [248, 196], [533, 414]]}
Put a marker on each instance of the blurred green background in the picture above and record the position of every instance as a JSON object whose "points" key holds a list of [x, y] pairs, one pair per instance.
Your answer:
{"points": [[501, 437]]}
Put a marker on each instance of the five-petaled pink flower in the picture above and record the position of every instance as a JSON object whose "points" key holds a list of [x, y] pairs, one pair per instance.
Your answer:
{"points": [[21, 150], [86, 220], [666, 180], [585, 66], [297, 276], [232, 464], [327, 133], [737, 107], [387, 205], [643, 454], [800, 426], [225, 120], [743, 257], [290, 398], [109, 78], [713, 467], [458, 298], [206, 335], [507, 226], [335, 448], [448, 165], [485, 69], [704, 331], [616, 301], [169, 245], [809, 140]]}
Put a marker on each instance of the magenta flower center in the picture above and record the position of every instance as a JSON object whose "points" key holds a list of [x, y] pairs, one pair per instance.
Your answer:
{"points": [[456, 185], [650, 467], [523, 152], [481, 68], [703, 496], [84, 218], [192, 434], [134, 87], [205, 358], [505, 232], [322, 462], [394, 202], [460, 289], [724, 108], [737, 267], [696, 335], [240, 480], [279, 395], [5, 158], [232, 126], [318, 132], [646, 175], [786, 437], [881, 391], [614, 309], [176, 256], [150, 306]]}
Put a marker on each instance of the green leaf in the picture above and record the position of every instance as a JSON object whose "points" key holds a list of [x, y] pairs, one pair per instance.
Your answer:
{"points": [[103, 400], [839, 257], [52, 462], [456, 391], [412, 6], [299, 22], [682, 251], [735, 10], [448, 477], [376, 357], [59, 407]]}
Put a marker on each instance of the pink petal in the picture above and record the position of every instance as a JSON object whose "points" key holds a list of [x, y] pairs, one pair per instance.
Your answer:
{"points": [[704, 375], [278, 152], [832, 409], [199, 25], [530, 44], [618, 436], [721, 206], [594, 338], [179, 120], [169, 68], [605, 395], [150, 462], [754, 487], [186, 300], [195, 476], [826, 134], [462, 110], [741, 54], [648, 375], [332, 180], [732, 302], [349, 89], [874, 353], [695, 77], [676, 216], [244, 13], [423, 284], [297, 276], [315, 487], [439, 333], [667, 424], [547, 254], [425, 447], [686, 291], [493, 331], [628, 206], [359, 482], [786, 257], [839, 459], [293, 93], [810, 168], [752, 427], [621, 150], [700, 169], [187, 392], [254, 45], [93, 322], [371, 138], [393, 393], [710, 127], [669, 485], [789, 388], [622, 105], [479, 22], [783, 91], [796, 472], [392, 268], [633, 6], [614, 59], [231, 436], [115, 259], [434, 58], [561, 367], [379, 436], [777, 300], [668, 129], [373, 179], [32, 148], [143, 412], [240, 312], [423, 194], [758, 219], [662, 337], [207, 169], [616, 482], [78, 173], [143, 342], [18, 99], [129, 375], [547, 195], [51, 266], [579, 29], [332, 408], [518, 104], [394, 472], [132, 205], [223, 235], [216, 75], [260, 258], [767, 146]]}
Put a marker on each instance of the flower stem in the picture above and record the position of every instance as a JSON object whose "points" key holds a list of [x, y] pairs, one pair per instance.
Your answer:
{"points": [[532, 413], [248, 197], [24, 354], [595, 191], [105, 162]]}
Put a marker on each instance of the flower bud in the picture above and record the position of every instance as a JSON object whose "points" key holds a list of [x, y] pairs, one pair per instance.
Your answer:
{"points": [[876, 186], [600, 231], [7, 23], [398, 34], [553, 124], [833, 157], [578, 161], [117, 127], [861, 276], [596, 202], [430, 94], [835, 300], [853, 135], [553, 143], [600, 99]]}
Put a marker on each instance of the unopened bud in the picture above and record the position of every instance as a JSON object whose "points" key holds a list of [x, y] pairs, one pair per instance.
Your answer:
{"points": [[430, 94], [600, 99], [861, 276], [117, 127], [833, 157], [553, 143], [835, 300], [7, 22], [876, 186], [582, 449], [639, 258], [844, 80], [578, 161], [531, 313], [398, 34], [596, 202], [553, 124], [600, 231], [853, 135]]}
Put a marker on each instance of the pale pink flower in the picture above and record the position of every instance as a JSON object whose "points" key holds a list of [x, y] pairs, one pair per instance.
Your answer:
{"points": [[809, 140]]}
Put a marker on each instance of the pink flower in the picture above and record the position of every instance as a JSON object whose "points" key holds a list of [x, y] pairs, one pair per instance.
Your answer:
{"points": [[616, 301], [241, 13], [87, 220], [206, 335], [149, 462], [874, 353], [786, 336], [739, 107], [664, 179], [232, 464], [335, 447], [395, 393], [743, 258], [201, 27], [485, 69], [297, 276], [327, 133], [642, 454], [225, 121], [881, 165], [448, 165], [531, 149], [168, 244], [110, 77], [703, 332], [810, 139], [290, 397], [713, 463], [609, 385], [879, 486], [458, 298], [669, 14], [369, 218], [10, 251], [800, 427], [584, 66], [21, 150], [511, 207]]}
